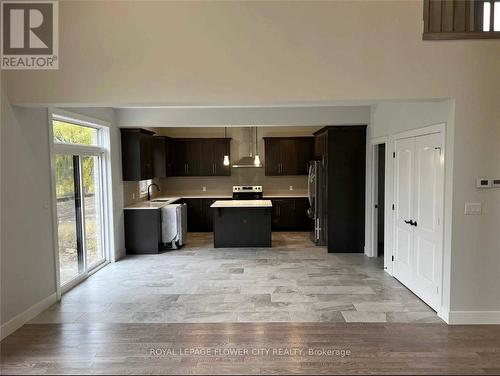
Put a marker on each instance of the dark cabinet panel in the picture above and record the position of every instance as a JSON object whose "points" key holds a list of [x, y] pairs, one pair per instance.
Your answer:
{"points": [[199, 157], [219, 149], [199, 214], [320, 145], [288, 155], [137, 154], [273, 157], [193, 158], [343, 150], [290, 214], [195, 215], [142, 231], [289, 150], [162, 164]]}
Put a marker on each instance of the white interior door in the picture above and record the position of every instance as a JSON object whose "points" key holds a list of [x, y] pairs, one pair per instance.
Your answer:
{"points": [[403, 231], [418, 228], [428, 227]]}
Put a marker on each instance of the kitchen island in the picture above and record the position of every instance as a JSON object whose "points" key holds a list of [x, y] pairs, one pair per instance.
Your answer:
{"points": [[242, 223]]}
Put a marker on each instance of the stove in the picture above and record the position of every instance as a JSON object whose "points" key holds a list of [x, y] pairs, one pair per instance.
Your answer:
{"points": [[247, 192]]}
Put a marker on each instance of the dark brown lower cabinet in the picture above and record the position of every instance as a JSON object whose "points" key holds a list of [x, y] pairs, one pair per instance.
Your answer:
{"points": [[199, 214], [142, 231], [290, 214]]}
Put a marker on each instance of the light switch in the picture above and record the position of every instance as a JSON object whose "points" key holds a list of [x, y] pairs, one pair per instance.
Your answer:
{"points": [[473, 208]]}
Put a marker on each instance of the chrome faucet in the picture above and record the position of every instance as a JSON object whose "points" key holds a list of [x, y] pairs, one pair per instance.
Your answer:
{"points": [[149, 193]]}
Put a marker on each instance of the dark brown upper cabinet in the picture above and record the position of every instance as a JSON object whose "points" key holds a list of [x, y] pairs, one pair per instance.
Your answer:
{"points": [[199, 157], [460, 19], [213, 151], [162, 157], [288, 155], [137, 154]]}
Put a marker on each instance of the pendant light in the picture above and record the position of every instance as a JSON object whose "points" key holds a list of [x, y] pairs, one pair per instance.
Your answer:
{"points": [[256, 160], [226, 155]]}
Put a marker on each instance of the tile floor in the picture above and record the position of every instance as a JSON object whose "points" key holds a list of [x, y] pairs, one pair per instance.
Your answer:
{"points": [[292, 282]]}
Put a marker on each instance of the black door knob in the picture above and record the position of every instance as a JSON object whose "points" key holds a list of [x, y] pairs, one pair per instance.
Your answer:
{"points": [[409, 222]]}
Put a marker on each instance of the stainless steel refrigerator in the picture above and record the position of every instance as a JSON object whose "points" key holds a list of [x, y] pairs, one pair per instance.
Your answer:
{"points": [[317, 201]]}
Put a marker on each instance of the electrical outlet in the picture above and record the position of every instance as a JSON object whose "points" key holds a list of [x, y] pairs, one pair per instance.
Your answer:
{"points": [[204, 189], [291, 188], [133, 196]]}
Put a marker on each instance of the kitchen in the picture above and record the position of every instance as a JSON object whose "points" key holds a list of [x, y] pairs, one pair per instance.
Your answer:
{"points": [[242, 184]]}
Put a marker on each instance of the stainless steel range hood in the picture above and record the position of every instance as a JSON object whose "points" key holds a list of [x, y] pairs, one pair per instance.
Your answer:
{"points": [[248, 161]]}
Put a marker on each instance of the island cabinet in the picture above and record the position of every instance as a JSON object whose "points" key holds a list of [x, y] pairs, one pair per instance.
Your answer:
{"points": [[242, 223], [290, 214], [199, 157], [137, 154], [288, 155]]}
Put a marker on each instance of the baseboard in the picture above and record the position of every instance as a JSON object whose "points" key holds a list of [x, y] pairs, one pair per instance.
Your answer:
{"points": [[16, 322], [473, 317], [120, 254]]}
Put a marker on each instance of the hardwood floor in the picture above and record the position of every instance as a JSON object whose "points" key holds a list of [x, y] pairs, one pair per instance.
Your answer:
{"points": [[206, 311], [386, 348]]}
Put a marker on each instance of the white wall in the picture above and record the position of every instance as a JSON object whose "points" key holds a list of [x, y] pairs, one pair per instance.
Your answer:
{"points": [[28, 278], [27, 244], [243, 116], [387, 120]]}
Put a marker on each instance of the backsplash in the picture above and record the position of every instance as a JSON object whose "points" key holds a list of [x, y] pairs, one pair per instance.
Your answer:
{"points": [[224, 184]]}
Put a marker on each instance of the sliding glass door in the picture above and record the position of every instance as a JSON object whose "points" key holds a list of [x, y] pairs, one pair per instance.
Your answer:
{"points": [[92, 211], [68, 217], [78, 164]]}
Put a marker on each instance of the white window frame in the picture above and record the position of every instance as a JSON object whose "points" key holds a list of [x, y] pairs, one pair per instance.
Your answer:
{"points": [[102, 150], [144, 193]]}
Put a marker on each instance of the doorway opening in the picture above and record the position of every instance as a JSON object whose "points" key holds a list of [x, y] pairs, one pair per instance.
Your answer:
{"points": [[380, 205], [378, 199]]}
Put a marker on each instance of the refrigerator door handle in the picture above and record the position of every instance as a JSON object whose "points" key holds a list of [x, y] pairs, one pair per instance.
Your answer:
{"points": [[317, 228]]}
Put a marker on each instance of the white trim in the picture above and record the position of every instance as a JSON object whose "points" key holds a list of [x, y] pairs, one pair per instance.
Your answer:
{"points": [[473, 317], [63, 148], [19, 320], [79, 119], [370, 223], [55, 235], [434, 128], [103, 151]]}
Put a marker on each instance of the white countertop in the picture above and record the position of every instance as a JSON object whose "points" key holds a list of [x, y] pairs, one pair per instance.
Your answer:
{"points": [[153, 204], [161, 201], [242, 204], [286, 195]]}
